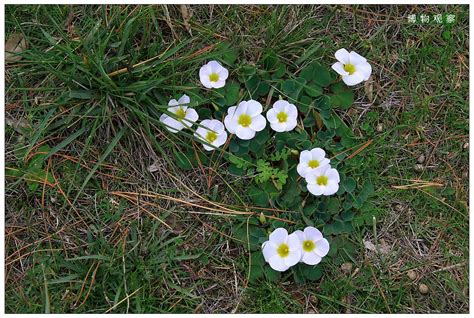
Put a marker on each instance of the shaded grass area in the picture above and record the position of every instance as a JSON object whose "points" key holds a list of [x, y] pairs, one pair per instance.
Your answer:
{"points": [[84, 241]]}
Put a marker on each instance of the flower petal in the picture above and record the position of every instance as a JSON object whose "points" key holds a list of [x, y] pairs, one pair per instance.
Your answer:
{"points": [[258, 123], [241, 108], [268, 250], [276, 262], [173, 102], [220, 83], [315, 189], [332, 174], [190, 118], [278, 236], [305, 156], [322, 247], [230, 121], [324, 163], [331, 188], [318, 154], [221, 139], [342, 55], [311, 258], [302, 169], [311, 175], [290, 124], [172, 124], [278, 127], [223, 74], [292, 111], [365, 69], [356, 59], [215, 66], [217, 126], [205, 81], [205, 70], [184, 99], [244, 133], [280, 105], [339, 68], [354, 79], [271, 116], [300, 235], [292, 258], [254, 108], [294, 241], [312, 233]]}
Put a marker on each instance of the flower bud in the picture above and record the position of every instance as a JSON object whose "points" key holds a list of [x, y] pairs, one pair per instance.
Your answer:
{"points": [[262, 218]]}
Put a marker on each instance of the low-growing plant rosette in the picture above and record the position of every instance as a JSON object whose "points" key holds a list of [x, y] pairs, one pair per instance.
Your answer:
{"points": [[296, 164]]}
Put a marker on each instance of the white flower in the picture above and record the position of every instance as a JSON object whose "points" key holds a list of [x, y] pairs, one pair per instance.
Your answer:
{"points": [[352, 67], [310, 160], [212, 132], [323, 181], [313, 246], [184, 116], [281, 250], [245, 119], [282, 116], [213, 75]]}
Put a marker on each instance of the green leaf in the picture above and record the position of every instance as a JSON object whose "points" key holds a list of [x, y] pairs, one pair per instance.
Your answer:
{"points": [[279, 72], [342, 95], [256, 272], [182, 161], [313, 90], [271, 275], [232, 93], [258, 196], [81, 94], [318, 74], [349, 184], [334, 205], [312, 273], [292, 88], [322, 75], [248, 70]]}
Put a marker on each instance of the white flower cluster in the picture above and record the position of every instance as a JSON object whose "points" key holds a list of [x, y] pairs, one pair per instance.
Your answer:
{"points": [[282, 251], [315, 168], [246, 119]]}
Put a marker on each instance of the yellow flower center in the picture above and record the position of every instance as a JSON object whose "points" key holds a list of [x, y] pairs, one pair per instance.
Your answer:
{"points": [[313, 164], [213, 77], [283, 250], [350, 68], [308, 245], [282, 117], [322, 180], [211, 136], [245, 120], [180, 113]]}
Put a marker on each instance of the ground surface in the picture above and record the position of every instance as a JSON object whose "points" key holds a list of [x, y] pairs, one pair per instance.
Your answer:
{"points": [[76, 243]]}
